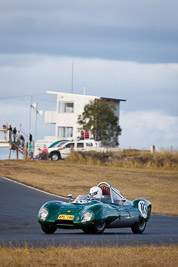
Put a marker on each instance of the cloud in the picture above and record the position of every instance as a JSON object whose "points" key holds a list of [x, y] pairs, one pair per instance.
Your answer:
{"points": [[122, 13], [118, 30], [142, 129], [144, 86], [14, 115]]}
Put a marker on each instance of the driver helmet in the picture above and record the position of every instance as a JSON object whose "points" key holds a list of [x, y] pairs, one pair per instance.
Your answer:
{"points": [[96, 192]]}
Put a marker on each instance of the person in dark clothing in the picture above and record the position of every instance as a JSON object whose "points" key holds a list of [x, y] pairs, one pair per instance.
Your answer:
{"points": [[22, 140], [10, 132], [14, 133], [82, 137], [30, 137]]}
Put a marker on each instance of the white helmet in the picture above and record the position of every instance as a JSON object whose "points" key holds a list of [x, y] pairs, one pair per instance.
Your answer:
{"points": [[96, 192]]}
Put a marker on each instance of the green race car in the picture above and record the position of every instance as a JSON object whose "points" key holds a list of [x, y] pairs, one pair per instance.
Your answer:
{"points": [[104, 207]]}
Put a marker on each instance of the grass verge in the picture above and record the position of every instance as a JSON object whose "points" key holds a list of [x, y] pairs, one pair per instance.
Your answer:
{"points": [[126, 256], [128, 159]]}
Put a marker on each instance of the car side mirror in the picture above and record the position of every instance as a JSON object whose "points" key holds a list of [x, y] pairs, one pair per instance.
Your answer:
{"points": [[70, 197]]}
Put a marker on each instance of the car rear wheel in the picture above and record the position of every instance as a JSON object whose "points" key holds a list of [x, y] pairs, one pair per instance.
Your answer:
{"points": [[139, 227], [97, 228], [55, 156], [48, 228]]}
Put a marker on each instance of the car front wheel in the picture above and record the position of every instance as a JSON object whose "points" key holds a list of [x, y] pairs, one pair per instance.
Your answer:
{"points": [[139, 227], [55, 156], [48, 228], [97, 228]]}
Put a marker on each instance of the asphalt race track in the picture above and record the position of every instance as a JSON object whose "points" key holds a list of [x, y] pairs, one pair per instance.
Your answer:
{"points": [[19, 206]]}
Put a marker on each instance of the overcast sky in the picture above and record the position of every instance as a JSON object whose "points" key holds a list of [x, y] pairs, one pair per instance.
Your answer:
{"points": [[120, 48]]}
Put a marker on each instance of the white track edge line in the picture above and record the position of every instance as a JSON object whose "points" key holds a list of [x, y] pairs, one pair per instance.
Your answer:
{"points": [[31, 187]]}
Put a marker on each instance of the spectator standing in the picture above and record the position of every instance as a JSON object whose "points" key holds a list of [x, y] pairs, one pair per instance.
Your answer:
{"points": [[30, 137], [82, 137], [14, 133], [18, 138], [10, 132], [7, 126], [4, 128], [22, 140], [6, 132]]}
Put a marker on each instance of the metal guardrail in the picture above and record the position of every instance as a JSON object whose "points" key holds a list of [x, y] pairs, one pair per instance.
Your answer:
{"points": [[15, 142], [7, 135], [8, 139]]}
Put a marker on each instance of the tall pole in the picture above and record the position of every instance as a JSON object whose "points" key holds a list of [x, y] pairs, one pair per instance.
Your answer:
{"points": [[72, 82], [118, 118], [29, 126], [36, 121]]}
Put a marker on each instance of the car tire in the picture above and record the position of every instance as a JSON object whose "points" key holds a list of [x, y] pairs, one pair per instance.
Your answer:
{"points": [[55, 156], [48, 228], [139, 227], [97, 228]]}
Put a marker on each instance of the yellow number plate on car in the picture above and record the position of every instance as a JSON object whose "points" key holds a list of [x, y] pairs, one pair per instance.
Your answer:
{"points": [[65, 217]]}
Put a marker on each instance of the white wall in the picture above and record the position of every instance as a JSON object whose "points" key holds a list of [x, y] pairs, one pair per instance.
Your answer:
{"points": [[70, 119]]}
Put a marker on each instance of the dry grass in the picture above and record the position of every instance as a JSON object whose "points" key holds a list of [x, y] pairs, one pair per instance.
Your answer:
{"points": [[126, 256], [160, 186], [128, 159]]}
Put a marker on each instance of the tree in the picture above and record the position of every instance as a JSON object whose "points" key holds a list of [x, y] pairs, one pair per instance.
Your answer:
{"points": [[99, 118]]}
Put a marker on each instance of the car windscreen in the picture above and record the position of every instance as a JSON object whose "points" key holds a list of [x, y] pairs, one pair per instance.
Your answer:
{"points": [[117, 197], [82, 199]]}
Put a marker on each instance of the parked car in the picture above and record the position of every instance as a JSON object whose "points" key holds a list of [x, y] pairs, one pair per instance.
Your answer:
{"points": [[58, 142], [62, 151], [104, 207], [45, 144]]}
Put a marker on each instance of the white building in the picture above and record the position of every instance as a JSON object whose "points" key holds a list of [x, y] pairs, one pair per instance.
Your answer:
{"points": [[69, 106]]}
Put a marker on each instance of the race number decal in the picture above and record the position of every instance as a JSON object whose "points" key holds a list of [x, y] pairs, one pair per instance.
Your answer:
{"points": [[142, 208]]}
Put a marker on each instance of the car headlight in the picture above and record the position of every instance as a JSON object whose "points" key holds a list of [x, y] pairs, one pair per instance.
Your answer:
{"points": [[43, 213], [87, 217]]}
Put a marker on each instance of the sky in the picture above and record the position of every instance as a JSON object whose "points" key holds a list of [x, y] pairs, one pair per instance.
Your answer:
{"points": [[126, 49]]}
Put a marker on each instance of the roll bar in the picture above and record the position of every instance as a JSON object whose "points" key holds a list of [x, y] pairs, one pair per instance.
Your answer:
{"points": [[111, 191]]}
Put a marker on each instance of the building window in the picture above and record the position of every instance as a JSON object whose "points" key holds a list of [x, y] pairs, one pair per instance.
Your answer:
{"points": [[67, 107], [65, 132]]}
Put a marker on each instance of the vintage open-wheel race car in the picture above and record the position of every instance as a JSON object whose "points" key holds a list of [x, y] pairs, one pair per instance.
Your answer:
{"points": [[104, 207]]}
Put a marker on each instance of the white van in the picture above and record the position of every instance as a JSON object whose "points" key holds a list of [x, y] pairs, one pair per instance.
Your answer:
{"points": [[62, 151]]}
